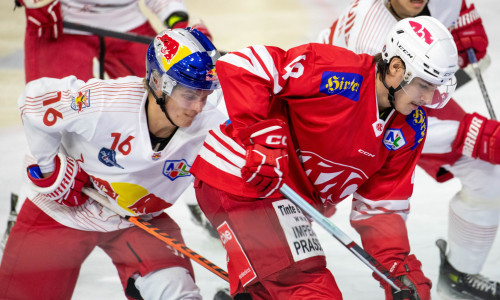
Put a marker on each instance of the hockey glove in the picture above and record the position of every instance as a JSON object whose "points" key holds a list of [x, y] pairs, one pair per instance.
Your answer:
{"points": [[65, 184], [409, 272], [478, 137], [266, 155], [469, 33], [44, 21], [177, 19]]}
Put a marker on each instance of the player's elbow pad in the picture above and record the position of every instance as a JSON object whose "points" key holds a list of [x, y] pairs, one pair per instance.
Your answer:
{"points": [[478, 137]]}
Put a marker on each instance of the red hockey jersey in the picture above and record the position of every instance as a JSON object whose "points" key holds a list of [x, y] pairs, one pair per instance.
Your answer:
{"points": [[338, 145]]}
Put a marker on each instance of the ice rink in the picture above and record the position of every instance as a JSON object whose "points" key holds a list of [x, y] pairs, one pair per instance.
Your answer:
{"points": [[236, 24]]}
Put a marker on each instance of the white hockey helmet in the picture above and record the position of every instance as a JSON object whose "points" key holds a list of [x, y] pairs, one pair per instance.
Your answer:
{"points": [[428, 51]]}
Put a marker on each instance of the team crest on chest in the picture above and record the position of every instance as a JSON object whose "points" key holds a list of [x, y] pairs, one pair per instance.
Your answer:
{"points": [[394, 139], [174, 169], [81, 101]]}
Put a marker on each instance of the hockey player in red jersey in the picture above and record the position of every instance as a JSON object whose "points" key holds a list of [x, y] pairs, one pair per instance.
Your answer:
{"points": [[453, 147], [133, 139], [329, 123], [49, 48]]}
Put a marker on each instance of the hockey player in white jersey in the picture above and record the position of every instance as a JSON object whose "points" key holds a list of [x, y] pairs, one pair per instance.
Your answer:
{"points": [[132, 139], [474, 211]]}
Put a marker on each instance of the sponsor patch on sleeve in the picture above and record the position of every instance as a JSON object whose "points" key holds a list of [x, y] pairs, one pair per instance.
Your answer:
{"points": [[343, 84], [418, 122]]}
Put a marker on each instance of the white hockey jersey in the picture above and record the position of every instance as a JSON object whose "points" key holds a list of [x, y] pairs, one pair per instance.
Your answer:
{"points": [[103, 125], [117, 15], [362, 27]]}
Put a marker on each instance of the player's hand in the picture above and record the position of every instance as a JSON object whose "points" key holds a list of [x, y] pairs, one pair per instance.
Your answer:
{"points": [[409, 272], [469, 33], [44, 21], [177, 19], [478, 137], [65, 184], [266, 155]]}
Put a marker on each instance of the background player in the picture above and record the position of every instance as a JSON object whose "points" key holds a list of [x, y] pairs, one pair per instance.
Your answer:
{"points": [[49, 47], [291, 114], [132, 139], [474, 211]]}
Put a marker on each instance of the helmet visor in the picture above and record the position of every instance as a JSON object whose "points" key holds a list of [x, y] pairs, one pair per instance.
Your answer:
{"points": [[430, 95], [195, 99]]}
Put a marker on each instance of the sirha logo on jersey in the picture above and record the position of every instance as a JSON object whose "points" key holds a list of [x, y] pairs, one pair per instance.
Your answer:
{"points": [[394, 139], [81, 101], [174, 169], [343, 84], [418, 122]]}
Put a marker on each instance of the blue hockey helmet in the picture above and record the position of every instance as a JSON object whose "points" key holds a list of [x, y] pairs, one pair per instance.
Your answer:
{"points": [[181, 56]]}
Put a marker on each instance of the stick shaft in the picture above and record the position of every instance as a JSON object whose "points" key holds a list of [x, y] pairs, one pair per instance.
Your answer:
{"points": [[132, 37], [479, 77], [161, 235]]}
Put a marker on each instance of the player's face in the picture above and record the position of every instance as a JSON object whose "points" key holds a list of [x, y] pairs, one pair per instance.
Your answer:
{"points": [[184, 104], [408, 8], [414, 94]]}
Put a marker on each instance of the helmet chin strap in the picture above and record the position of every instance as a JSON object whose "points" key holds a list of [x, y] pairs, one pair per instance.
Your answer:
{"points": [[391, 90], [162, 103]]}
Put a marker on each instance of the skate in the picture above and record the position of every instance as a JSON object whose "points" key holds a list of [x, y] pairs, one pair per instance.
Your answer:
{"points": [[453, 284], [199, 219]]}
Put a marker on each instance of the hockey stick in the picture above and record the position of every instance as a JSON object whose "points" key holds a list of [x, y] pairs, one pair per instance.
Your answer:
{"points": [[10, 221], [131, 37], [479, 77], [366, 258], [163, 236]]}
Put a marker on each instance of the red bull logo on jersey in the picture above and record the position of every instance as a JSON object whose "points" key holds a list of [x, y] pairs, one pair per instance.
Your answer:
{"points": [[394, 139], [81, 101], [174, 169], [343, 84], [418, 122]]}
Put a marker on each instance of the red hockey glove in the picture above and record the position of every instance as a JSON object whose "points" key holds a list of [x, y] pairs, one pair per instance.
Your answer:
{"points": [[44, 21], [385, 237], [478, 137], [469, 33], [266, 155], [65, 184], [409, 272], [177, 19]]}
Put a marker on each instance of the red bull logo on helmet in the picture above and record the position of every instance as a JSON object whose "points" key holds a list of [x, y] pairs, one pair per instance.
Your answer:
{"points": [[172, 51], [211, 75]]}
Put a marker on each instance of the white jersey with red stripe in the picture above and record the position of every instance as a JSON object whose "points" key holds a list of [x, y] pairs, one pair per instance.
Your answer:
{"points": [[117, 15], [338, 145], [362, 27], [103, 125]]}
